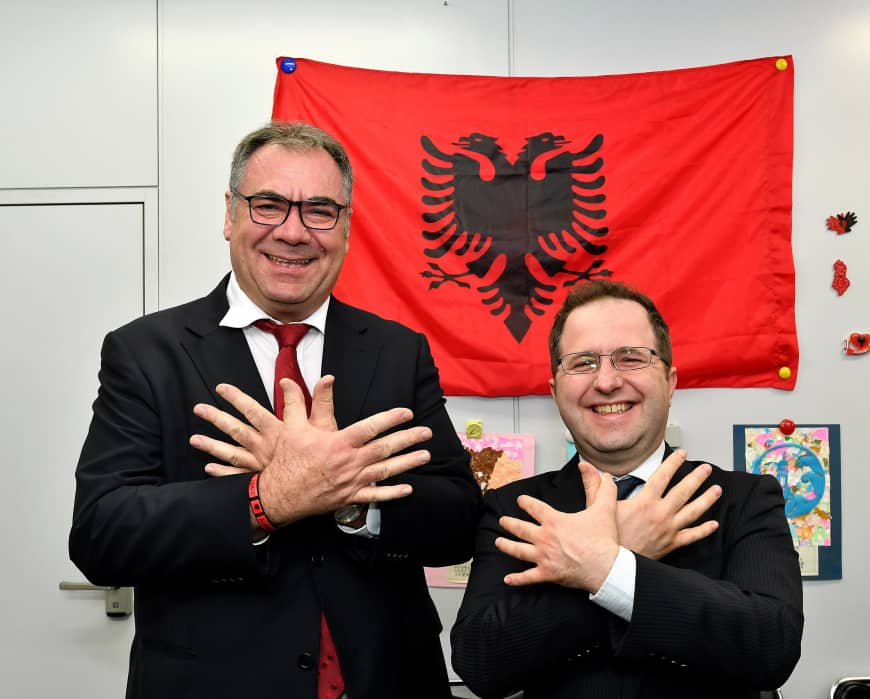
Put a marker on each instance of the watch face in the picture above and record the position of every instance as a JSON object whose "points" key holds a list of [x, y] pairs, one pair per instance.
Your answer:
{"points": [[347, 514]]}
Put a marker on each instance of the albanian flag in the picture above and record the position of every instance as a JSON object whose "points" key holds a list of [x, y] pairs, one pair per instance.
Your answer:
{"points": [[479, 202]]}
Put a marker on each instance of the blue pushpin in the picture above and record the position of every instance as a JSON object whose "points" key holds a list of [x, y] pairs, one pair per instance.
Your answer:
{"points": [[288, 65]]}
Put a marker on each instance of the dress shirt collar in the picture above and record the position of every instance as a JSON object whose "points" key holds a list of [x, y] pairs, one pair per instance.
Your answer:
{"points": [[242, 311], [650, 464], [646, 468]]}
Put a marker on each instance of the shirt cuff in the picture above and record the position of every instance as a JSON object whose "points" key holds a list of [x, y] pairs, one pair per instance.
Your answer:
{"points": [[372, 527], [617, 593]]}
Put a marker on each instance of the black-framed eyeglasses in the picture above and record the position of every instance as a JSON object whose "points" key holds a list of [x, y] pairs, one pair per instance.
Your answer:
{"points": [[622, 359], [273, 210]]}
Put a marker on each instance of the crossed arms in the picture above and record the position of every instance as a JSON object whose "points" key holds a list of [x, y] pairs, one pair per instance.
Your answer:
{"points": [[146, 509], [733, 586]]}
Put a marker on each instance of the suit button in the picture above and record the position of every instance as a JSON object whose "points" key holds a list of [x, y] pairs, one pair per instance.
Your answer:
{"points": [[305, 661], [317, 559]]}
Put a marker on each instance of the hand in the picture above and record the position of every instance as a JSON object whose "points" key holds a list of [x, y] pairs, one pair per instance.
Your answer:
{"points": [[309, 467], [260, 443], [575, 549], [653, 525]]}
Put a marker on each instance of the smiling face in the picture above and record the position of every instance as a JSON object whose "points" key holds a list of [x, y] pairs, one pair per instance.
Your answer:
{"points": [[617, 418], [287, 270]]}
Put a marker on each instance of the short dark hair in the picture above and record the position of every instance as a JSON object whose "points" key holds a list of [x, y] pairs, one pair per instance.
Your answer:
{"points": [[295, 136], [599, 289]]}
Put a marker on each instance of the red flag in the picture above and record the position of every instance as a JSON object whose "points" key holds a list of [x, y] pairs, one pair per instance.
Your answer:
{"points": [[480, 201]]}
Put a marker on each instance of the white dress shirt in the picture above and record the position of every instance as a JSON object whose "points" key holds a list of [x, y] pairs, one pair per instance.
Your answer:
{"points": [[617, 593], [242, 314]]}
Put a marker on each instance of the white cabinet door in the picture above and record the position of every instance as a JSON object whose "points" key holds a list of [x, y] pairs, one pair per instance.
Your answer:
{"points": [[79, 93], [70, 274]]}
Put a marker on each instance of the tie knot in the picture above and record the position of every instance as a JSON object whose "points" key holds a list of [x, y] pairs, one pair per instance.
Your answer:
{"points": [[625, 486], [288, 335]]}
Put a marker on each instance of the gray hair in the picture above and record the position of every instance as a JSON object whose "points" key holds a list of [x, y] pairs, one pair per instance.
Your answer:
{"points": [[294, 136]]}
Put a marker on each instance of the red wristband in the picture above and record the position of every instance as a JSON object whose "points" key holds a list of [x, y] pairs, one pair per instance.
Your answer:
{"points": [[257, 505]]}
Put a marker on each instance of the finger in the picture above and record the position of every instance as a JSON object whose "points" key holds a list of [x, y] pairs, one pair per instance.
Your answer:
{"points": [[689, 536], [221, 470], [516, 549], [591, 480], [231, 426], [322, 407], [381, 493], [658, 481], [605, 500], [390, 444], [599, 487], [692, 512], [294, 402], [227, 453], [257, 415], [682, 492], [538, 509], [532, 576], [387, 468], [364, 431], [520, 528]]}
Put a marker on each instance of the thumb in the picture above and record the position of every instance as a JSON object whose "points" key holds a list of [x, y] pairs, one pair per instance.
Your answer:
{"points": [[322, 405], [294, 402], [600, 488], [606, 498], [591, 481]]}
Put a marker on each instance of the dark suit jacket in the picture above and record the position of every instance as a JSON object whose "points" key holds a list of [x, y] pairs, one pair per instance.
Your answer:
{"points": [[720, 618], [215, 615]]}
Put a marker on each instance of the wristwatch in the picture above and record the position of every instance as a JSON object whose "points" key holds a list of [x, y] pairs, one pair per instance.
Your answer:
{"points": [[348, 515]]}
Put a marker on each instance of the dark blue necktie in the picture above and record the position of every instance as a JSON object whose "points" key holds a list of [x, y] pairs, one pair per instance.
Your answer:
{"points": [[625, 486]]}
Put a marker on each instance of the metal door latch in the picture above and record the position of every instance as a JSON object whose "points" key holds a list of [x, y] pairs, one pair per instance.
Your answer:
{"points": [[119, 600]]}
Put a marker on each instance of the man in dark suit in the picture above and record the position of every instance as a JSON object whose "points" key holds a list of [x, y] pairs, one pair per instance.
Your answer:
{"points": [[689, 588], [236, 575]]}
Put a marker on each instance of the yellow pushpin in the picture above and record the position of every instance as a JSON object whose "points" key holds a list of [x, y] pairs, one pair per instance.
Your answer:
{"points": [[474, 429], [781, 64], [784, 373]]}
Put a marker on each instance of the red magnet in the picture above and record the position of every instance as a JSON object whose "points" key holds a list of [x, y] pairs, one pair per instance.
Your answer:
{"points": [[842, 223], [786, 426], [858, 343], [841, 281]]}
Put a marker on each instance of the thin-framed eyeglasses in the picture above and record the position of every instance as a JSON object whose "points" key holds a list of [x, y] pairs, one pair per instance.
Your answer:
{"points": [[273, 210], [622, 359]]}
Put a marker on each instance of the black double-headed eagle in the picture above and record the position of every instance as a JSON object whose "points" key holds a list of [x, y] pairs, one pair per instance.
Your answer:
{"points": [[517, 231]]}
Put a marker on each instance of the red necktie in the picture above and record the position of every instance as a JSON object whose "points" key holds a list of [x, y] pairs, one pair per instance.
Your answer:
{"points": [[330, 683], [286, 365]]}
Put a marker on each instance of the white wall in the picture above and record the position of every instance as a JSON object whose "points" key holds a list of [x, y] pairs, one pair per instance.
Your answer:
{"points": [[214, 76]]}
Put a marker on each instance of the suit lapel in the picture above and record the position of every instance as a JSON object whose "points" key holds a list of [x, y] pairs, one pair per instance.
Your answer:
{"points": [[350, 353], [683, 471], [221, 355], [567, 494]]}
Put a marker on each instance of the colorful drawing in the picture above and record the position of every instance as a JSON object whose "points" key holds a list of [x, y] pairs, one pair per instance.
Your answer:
{"points": [[801, 464], [496, 459], [805, 461]]}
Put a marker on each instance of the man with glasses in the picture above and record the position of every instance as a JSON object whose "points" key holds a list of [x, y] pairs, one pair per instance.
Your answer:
{"points": [[275, 558], [630, 572]]}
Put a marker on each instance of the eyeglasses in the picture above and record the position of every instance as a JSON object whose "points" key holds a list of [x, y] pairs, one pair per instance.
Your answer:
{"points": [[273, 210], [622, 359]]}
